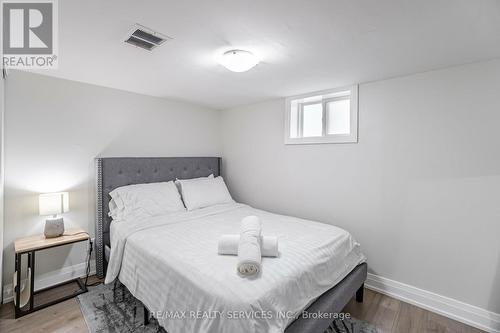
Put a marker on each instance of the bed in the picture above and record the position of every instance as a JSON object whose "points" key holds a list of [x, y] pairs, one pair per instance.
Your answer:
{"points": [[170, 263]]}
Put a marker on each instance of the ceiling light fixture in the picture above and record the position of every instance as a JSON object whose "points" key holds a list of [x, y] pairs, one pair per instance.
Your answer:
{"points": [[238, 60]]}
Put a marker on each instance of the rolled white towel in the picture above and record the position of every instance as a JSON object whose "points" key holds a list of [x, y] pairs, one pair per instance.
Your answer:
{"points": [[269, 246], [249, 255], [228, 244]]}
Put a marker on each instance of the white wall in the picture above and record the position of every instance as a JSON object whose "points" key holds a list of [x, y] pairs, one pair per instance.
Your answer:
{"points": [[55, 128], [420, 191], [2, 105]]}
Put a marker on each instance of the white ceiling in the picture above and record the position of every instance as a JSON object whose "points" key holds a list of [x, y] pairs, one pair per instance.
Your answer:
{"points": [[304, 45]]}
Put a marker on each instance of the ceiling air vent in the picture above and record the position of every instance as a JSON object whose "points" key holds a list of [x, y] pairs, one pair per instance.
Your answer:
{"points": [[145, 38]]}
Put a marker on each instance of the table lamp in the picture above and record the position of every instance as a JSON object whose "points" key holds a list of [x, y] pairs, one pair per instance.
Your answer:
{"points": [[53, 204]]}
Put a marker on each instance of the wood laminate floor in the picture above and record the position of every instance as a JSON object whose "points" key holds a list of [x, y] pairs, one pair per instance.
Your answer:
{"points": [[393, 316], [386, 313]]}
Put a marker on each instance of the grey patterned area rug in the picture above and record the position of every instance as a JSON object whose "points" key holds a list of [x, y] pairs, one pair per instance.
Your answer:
{"points": [[351, 325], [119, 312]]}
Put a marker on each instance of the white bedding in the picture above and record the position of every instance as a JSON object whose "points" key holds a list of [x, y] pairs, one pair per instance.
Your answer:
{"points": [[171, 264]]}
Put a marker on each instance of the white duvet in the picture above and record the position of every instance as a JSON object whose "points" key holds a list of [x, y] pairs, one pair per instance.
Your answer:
{"points": [[171, 264]]}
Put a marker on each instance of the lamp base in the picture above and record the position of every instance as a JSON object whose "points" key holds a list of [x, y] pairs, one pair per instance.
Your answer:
{"points": [[54, 228]]}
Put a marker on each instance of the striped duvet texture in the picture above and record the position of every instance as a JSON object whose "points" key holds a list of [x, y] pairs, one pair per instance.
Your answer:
{"points": [[170, 263]]}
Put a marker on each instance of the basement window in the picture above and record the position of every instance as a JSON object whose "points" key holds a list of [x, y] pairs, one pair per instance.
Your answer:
{"points": [[329, 116]]}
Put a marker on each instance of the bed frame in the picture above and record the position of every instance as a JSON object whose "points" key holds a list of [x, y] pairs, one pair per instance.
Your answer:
{"points": [[114, 172]]}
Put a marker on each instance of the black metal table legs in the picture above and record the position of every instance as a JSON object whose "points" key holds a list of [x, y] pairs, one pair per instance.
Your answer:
{"points": [[19, 312]]}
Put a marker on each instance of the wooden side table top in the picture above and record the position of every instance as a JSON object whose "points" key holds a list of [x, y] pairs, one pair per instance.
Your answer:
{"points": [[39, 242]]}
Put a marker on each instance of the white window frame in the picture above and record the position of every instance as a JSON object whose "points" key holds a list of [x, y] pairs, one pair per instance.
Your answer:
{"points": [[323, 97]]}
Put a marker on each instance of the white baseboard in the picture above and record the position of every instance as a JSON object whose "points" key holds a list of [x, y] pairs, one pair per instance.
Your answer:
{"points": [[448, 307], [51, 278]]}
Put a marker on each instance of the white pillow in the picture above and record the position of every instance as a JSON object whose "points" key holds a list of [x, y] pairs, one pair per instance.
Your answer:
{"points": [[204, 192], [114, 210], [144, 200], [178, 184]]}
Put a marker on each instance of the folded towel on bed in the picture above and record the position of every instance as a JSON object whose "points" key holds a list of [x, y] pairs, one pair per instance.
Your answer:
{"points": [[269, 246], [249, 255], [228, 244]]}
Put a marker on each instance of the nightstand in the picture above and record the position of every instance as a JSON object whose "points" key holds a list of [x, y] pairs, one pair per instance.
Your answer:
{"points": [[30, 245]]}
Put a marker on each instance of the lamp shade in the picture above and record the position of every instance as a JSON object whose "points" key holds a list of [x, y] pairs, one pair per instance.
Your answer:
{"points": [[53, 203]]}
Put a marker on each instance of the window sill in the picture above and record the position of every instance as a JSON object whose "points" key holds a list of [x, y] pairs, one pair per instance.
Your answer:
{"points": [[321, 140]]}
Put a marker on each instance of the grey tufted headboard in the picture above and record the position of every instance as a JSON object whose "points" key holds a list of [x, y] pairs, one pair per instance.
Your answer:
{"points": [[113, 172]]}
